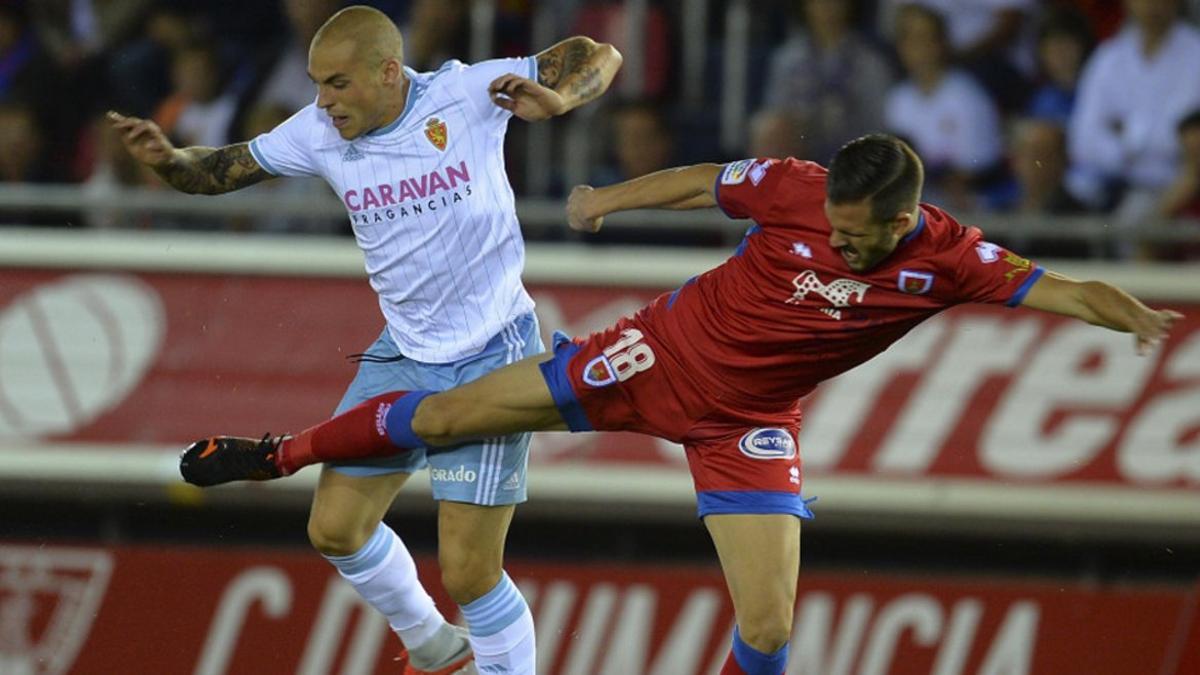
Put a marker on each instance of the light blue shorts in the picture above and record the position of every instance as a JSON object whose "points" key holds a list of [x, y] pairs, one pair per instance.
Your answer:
{"points": [[485, 472]]}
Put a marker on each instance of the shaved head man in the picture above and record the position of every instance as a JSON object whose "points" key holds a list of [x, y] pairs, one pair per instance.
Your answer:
{"points": [[417, 159]]}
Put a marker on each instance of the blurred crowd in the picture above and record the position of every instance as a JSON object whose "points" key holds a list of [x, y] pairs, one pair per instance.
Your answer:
{"points": [[1054, 107]]}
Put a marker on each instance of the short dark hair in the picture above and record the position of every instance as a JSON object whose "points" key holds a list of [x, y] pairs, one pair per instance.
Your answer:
{"points": [[879, 167], [1065, 20]]}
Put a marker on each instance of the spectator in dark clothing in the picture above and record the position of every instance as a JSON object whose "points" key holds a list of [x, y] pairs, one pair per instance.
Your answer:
{"points": [[1039, 166], [23, 160], [1063, 44], [1182, 198], [642, 142], [140, 70], [79, 36], [777, 132], [829, 77], [21, 138]]}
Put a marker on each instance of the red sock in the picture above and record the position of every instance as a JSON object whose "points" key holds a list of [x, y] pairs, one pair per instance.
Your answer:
{"points": [[731, 666], [358, 433]]}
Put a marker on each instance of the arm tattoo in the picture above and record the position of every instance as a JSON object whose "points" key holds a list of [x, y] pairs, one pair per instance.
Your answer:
{"points": [[549, 68], [589, 84], [563, 60], [212, 171]]}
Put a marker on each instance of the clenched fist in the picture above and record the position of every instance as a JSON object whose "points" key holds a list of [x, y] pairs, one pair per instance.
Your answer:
{"points": [[579, 206]]}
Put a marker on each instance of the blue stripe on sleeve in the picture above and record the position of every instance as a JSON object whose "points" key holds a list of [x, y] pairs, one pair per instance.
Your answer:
{"points": [[675, 295], [261, 159], [1023, 290]]}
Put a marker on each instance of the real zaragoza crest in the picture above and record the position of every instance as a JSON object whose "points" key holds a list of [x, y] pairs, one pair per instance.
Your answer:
{"points": [[435, 131]]}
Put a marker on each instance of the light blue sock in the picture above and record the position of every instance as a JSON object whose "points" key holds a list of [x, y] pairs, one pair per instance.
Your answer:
{"points": [[501, 630], [385, 575]]}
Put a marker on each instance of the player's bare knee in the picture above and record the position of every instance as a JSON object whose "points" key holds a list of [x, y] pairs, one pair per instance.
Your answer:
{"points": [[467, 576], [331, 540], [465, 585]]}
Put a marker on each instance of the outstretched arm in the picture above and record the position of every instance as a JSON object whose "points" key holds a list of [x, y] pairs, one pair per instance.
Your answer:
{"points": [[195, 170], [1101, 304], [685, 187], [570, 73]]}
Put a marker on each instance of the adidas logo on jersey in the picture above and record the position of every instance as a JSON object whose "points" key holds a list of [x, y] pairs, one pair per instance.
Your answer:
{"points": [[352, 154]]}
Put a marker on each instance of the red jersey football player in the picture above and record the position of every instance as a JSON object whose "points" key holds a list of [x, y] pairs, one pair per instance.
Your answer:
{"points": [[839, 264]]}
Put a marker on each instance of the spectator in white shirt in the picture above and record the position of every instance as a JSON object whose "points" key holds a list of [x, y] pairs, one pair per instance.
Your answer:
{"points": [[990, 38], [942, 111], [1135, 89]]}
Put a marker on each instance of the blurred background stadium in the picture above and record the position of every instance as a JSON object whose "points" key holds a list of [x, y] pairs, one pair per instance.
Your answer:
{"points": [[1000, 493]]}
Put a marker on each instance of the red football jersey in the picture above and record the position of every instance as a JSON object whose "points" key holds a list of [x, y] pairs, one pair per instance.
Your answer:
{"points": [[786, 312]]}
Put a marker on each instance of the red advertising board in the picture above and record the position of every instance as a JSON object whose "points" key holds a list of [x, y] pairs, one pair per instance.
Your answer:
{"points": [[140, 610], [979, 392]]}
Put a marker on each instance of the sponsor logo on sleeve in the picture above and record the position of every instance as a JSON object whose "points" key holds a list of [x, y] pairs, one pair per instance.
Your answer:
{"points": [[759, 171], [735, 172], [988, 252], [768, 443], [1019, 265], [914, 282]]}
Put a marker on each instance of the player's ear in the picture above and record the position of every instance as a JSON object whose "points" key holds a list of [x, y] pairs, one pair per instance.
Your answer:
{"points": [[902, 221], [392, 69]]}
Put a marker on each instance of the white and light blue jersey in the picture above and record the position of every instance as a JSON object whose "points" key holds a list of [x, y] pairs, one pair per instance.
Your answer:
{"points": [[430, 203]]}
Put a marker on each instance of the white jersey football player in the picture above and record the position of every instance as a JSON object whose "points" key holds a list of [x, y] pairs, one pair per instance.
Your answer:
{"points": [[417, 159]]}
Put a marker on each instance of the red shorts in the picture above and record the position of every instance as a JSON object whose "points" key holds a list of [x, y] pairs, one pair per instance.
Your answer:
{"points": [[624, 379]]}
